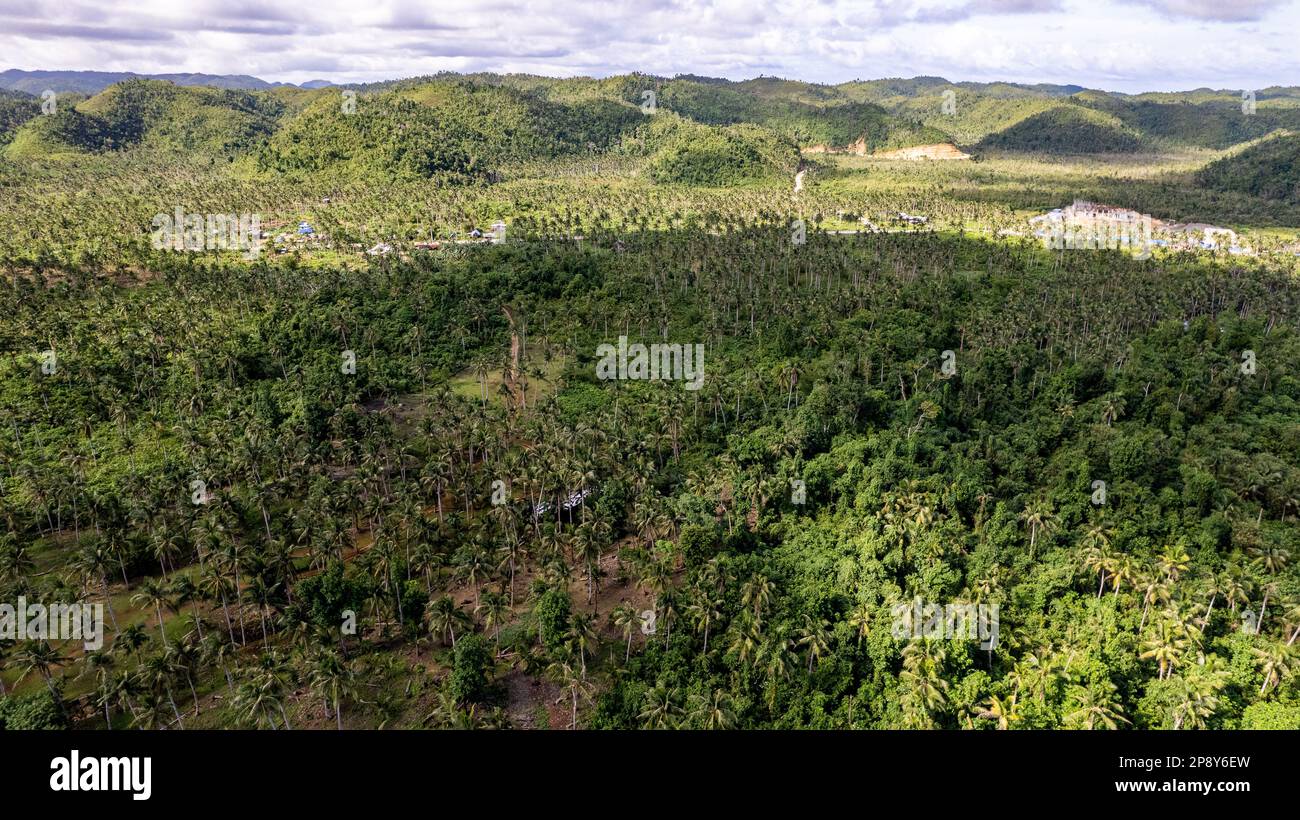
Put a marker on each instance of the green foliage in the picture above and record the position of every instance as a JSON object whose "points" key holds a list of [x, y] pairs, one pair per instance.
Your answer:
{"points": [[1269, 170], [37, 711], [1066, 129], [455, 131], [159, 116], [473, 661], [797, 111], [370, 490], [698, 544], [324, 598], [1269, 715], [552, 614], [16, 108], [687, 153]]}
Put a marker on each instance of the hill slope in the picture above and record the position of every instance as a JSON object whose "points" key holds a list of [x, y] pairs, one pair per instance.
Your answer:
{"points": [[444, 127], [156, 115], [687, 152], [16, 108], [1067, 129], [1269, 169]]}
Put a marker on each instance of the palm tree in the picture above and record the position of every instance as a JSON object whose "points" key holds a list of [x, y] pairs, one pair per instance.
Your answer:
{"points": [[1276, 661], [39, 656], [756, 594], [185, 591], [330, 678], [1099, 560], [1122, 570], [1095, 706], [1165, 646], [1174, 561], [1112, 408], [562, 672], [154, 593], [101, 664], [495, 608], [157, 672], [1003, 711], [924, 689], [261, 693], [814, 635], [704, 610], [660, 710], [1196, 694], [778, 661], [712, 711], [444, 616], [583, 637], [627, 619], [1040, 519], [860, 620], [187, 657]]}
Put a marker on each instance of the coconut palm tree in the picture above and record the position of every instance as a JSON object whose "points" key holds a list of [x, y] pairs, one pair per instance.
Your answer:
{"points": [[495, 609], [660, 709], [1165, 646], [1094, 706], [704, 610], [1040, 519], [443, 618], [562, 672], [331, 679], [712, 711], [1276, 661], [628, 620], [583, 638], [41, 657], [1003, 711], [814, 636], [156, 594]]}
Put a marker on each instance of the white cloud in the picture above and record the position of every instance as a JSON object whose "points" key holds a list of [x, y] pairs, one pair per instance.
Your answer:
{"points": [[1127, 45], [1217, 10]]}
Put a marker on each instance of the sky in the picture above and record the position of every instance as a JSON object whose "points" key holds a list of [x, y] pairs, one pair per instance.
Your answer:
{"points": [[1118, 45]]}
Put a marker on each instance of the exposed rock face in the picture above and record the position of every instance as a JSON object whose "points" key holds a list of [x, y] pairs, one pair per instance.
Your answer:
{"points": [[939, 150]]}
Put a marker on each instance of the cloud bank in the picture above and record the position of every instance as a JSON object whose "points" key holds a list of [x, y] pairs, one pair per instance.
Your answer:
{"points": [[1126, 45]]}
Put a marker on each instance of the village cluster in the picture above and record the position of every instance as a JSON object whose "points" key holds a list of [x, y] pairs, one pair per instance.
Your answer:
{"points": [[306, 238], [1085, 225], [1082, 225]]}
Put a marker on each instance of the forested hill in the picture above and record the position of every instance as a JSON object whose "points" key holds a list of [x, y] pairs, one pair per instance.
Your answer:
{"points": [[481, 120], [1269, 169]]}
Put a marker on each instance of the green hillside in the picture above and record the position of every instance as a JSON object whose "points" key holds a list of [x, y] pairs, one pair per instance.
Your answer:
{"points": [[974, 116], [1212, 122], [807, 114], [1269, 170], [1067, 130], [441, 127], [16, 108], [682, 151], [157, 115]]}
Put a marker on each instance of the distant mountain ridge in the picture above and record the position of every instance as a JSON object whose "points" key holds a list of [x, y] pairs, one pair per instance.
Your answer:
{"points": [[93, 82]]}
